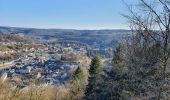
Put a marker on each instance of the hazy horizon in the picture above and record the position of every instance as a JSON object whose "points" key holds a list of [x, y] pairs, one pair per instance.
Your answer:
{"points": [[65, 28]]}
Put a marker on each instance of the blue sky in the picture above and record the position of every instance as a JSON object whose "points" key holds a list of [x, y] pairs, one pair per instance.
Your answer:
{"points": [[72, 14]]}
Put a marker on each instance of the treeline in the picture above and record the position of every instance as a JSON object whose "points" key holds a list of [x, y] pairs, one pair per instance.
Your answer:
{"points": [[140, 65]]}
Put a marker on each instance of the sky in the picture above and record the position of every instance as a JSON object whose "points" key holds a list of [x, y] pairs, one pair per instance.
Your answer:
{"points": [[66, 14]]}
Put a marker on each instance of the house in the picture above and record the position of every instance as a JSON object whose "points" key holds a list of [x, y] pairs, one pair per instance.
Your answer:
{"points": [[23, 71], [39, 75], [2, 53], [64, 75]]}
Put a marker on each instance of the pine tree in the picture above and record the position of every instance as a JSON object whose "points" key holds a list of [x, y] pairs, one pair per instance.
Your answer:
{"points": [[78, 74], [78, 84], [118, 54], [116, 77], [93, 87]]}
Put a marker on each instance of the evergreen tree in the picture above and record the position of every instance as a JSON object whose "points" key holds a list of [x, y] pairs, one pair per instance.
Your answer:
{"points": [[62, 58], [78, 74], [78, 84], [93, 87], [118, 54]]}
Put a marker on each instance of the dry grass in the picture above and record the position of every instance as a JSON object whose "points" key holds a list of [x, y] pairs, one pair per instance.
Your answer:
{"points": [[40, 93]]}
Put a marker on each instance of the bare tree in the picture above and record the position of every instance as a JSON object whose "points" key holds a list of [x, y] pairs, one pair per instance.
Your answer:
{"points": [[150, 22]]}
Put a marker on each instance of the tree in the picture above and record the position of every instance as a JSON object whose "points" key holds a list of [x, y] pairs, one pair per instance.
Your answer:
{"points": [[93, 87], [140, 66], [79, 74], [148, 49], [78, 83], [115, 79], [63, 58]]}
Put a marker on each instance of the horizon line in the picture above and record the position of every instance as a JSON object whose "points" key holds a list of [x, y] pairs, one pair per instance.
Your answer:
{"points": [[65, 28]]}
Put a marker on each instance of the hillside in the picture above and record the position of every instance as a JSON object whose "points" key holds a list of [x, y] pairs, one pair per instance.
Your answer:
{"points": [[86, 36]]}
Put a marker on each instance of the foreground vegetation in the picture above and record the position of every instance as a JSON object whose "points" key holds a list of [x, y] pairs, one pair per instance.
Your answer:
{"points": [[140, 65], [72, 90]]}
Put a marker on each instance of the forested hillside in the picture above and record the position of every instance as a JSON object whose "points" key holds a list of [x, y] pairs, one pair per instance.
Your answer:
{"points": [[85, 36]]}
